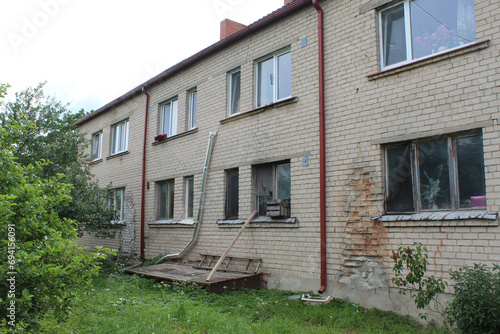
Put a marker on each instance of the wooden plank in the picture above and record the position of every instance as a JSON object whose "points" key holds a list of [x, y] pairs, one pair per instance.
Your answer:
{"points": [[231, 245]]}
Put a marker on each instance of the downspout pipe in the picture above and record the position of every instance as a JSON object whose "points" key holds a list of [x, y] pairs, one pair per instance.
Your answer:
{"points": [[143, 188], [322, 145], [208, 157]]}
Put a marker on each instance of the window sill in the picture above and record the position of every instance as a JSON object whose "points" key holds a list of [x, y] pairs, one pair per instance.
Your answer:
{"points": [[259, 110], [179, 135], [95, 162], [118, 155], [479, 45], [265, 222], [172, 223], [447, 218], [119, 223]]}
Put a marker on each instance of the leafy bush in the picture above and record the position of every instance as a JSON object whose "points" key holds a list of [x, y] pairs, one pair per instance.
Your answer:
{"points": [[475, 307], [41, 267], [410, 268]]}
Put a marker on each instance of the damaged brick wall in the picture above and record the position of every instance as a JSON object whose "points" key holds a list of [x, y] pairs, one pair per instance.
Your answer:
{"points": [[365, 239], [128, 232]]}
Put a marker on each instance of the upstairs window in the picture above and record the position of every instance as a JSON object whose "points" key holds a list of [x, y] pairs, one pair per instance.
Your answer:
{"points": [[96, 146], [116, 198], [168, 118], [119, 135], [441, 174], [234, 84], [272, 182], [166, 200], [274, 78], [415, 29], [193, 105]]}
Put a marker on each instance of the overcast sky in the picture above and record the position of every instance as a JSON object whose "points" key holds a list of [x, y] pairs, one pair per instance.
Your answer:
{"points": [[91, 52]]}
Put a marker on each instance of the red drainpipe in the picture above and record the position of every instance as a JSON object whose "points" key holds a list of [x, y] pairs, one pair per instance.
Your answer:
{"points": [[143, 190], [322, 150]]}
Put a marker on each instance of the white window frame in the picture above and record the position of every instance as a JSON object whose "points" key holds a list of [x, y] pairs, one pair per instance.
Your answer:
{"points": [[189, 193], [96, 146], [193, 108], [173, 116], [112, 202], [408, 37], [230, 92], [119, 137], [274, 57]]}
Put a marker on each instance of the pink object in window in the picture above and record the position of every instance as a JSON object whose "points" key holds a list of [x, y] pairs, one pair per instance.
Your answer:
{"points": [[478, 202]]}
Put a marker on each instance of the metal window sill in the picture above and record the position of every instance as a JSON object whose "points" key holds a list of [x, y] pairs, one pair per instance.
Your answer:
{"points": [[179, 135], [262, 222], [445, 218], [172, 223], [116, 155], [479, 45], [259, 110]]}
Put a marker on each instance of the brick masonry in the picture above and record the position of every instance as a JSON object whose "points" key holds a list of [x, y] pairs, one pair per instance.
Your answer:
{"points": [[457, 91]]}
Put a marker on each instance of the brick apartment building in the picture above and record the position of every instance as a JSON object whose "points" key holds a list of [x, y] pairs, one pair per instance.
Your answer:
{"points": [[409, 150]]}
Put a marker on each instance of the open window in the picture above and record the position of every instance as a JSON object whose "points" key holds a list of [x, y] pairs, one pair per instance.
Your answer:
{"points": [[272, 184], [274, 78], [445, 173], [168, 117]]}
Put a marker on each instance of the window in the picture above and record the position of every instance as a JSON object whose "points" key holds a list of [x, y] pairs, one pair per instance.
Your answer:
{"points": [[414, 29], [189, 196], [272, 181], [234, 78], [166, 200], [274, 78], [119, 133], [96, 146], [232, 193], [193, 101], [116, 199], [441, 174], [168, 118]]}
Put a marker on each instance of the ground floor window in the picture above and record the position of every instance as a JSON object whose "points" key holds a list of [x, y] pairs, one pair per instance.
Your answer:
{"points": [[189, 196], [271, 181], [445, 173], [166, 199], [232, 193], [116, 199]]}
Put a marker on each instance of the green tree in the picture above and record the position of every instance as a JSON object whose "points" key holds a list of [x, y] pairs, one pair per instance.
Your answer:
{"points": [[47, 133], [41, 265]]}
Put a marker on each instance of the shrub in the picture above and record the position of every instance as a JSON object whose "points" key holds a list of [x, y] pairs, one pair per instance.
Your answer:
{"points": [[41, 267], [475, 307]]}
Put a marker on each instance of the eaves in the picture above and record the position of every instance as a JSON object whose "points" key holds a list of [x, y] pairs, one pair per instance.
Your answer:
{"points": [[266, 21]]}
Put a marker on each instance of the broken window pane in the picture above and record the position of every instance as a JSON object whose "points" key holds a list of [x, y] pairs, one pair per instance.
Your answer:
{"points": [[399, 187], [264, 186], [434, 175], [284, 180], [470, 160]]}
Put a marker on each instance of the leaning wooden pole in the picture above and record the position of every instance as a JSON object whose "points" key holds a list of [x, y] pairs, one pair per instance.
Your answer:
{"points": [[223, 257]]}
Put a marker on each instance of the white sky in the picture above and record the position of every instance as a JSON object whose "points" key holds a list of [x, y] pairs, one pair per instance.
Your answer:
{"points": [[91, 52]]}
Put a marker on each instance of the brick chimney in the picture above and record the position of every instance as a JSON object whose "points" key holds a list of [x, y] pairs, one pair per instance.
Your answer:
{"points": [[229, 27]]}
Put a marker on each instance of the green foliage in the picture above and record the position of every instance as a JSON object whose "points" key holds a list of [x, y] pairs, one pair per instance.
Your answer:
{"points": [[41, 267], [475, 307], [45, 131], [410, 268], [120, 303]]}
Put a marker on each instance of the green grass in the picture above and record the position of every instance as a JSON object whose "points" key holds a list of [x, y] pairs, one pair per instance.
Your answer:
{"points": [[120, 303]]}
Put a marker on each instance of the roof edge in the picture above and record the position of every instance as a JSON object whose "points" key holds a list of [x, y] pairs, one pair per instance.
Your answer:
{"points": [[264, 22]]}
